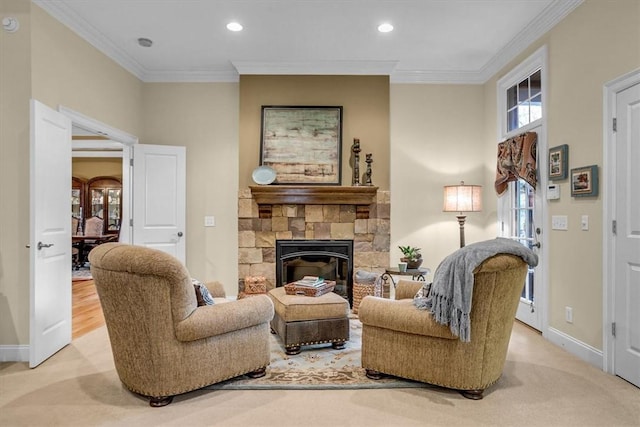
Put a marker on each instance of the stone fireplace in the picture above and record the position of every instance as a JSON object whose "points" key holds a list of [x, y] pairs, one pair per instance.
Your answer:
{"points": [[268, 214]]}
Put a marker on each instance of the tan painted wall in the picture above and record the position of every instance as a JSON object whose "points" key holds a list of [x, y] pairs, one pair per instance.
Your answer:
{"points": [[15, 91], [596, 43], [203, 117], [90, 167], [365, 115], [48, 62], [436, 140]]}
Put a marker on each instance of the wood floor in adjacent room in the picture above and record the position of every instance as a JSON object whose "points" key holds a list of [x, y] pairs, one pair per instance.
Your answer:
{"points": [[86, 310]]}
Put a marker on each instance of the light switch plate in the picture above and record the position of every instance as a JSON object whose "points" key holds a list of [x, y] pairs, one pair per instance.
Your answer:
{"points": [[209, 221], [559, 222]]}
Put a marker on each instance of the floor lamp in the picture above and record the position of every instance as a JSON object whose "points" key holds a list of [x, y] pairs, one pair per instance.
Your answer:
{"points": [[462, 198]]}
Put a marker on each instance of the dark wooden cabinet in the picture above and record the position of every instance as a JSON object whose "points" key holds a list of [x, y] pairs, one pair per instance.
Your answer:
{"points": [[104, 200], [78, 189], [100, 196]]}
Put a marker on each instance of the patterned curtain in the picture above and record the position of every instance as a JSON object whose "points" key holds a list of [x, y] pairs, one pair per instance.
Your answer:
{"points": [[516, 159]]}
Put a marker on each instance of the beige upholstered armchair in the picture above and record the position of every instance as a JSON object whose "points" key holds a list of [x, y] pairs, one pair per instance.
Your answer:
{"points": [[400, 340], [163, 343]]}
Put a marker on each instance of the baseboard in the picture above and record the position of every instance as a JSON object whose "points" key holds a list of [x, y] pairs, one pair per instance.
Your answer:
{"points": [[589, 354], [14, 353]]}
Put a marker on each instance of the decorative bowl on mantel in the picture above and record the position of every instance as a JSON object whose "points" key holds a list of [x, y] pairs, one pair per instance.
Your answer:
{"points": [[264, 175]]}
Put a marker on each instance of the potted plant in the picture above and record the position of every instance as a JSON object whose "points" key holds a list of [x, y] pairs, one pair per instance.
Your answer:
{"points": [[411, 255]]}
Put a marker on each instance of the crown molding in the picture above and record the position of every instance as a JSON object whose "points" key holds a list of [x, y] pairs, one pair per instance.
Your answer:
{"points": [[436, 77], [316, 67], [191, 76], [551, 16]]}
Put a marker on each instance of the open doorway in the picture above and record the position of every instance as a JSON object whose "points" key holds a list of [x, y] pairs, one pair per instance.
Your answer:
{"points": [[96, 196], [100, 189]]}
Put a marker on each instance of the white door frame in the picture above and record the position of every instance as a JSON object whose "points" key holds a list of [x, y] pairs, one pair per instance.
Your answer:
{"points": [[539, 58], [122, 139], [611, 90]]}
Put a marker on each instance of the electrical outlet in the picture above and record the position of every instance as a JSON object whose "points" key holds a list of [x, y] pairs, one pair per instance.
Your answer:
{"points": [[568, 314], [584, 223], [209, 221]]}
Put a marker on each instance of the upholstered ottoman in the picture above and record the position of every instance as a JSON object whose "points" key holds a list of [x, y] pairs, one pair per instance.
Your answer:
{"points": [[302, 320]]}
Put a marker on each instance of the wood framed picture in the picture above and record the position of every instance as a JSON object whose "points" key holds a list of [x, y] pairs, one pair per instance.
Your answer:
{"points": [[558, 161], [584, 181], [302, 144]]}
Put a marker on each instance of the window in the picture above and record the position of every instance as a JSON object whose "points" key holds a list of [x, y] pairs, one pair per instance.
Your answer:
{"points": [[524, 102]]}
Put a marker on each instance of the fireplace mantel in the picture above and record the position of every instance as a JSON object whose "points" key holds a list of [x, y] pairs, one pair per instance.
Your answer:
{"points": [[267, 195]]}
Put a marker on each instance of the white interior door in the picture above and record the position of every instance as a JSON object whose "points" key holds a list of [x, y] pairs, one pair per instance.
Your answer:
{"points": [[627, 240], [50, 233], [159, 198]]}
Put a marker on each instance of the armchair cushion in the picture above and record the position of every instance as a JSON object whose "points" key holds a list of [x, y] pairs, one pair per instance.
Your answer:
{"points": [[400, 315], [218, 319]]}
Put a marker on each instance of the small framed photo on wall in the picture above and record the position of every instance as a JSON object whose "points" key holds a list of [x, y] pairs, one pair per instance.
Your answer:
{"points": [[584, 181], [558, 161]]}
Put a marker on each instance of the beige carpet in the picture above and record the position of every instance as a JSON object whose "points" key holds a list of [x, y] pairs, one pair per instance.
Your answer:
{"points": [[542, 385]]}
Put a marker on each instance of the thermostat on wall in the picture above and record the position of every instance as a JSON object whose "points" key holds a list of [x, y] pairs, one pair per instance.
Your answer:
{"points": [[553, 192]]}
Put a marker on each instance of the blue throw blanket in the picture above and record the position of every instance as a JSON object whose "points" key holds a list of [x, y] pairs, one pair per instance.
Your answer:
{"points": [[450, 297]]}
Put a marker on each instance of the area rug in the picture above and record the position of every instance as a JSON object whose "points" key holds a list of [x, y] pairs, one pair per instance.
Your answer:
{"points": [[317, 367], [84, 273]]}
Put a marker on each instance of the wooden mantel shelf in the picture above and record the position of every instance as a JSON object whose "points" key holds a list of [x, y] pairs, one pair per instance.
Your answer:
{"points": [[267, 195]]}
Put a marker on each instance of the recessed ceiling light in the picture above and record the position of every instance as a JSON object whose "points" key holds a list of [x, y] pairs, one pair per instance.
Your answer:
{"points": [[234, 26], [145, 42], [385, 28]]}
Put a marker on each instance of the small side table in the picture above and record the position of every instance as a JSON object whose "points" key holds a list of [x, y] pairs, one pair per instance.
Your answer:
{"points": [[415, 273]]}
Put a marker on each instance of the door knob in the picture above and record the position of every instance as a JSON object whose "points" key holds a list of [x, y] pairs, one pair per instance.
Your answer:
{"points": [[537, 245], [44, 245]]}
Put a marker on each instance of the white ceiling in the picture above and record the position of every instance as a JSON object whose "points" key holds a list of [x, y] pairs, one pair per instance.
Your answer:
{"points": [[434, 41]]}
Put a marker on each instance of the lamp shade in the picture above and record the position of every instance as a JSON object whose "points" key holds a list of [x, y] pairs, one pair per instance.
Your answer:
{"points": [[462, 198]]}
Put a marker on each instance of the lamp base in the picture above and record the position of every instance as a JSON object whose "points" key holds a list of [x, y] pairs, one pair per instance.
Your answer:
{"points": [[461, 220]]}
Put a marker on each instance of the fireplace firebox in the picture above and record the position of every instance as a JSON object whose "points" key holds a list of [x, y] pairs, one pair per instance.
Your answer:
{"points": [[329, 259]]}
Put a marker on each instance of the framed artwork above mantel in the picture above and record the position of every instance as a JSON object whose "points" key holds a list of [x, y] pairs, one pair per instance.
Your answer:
{"points": [[303, 144]]}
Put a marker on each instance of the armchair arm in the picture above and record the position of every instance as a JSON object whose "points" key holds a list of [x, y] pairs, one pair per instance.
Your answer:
{"points": [[216, 289], [217, 319], [401, 315], [407, 288]]}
